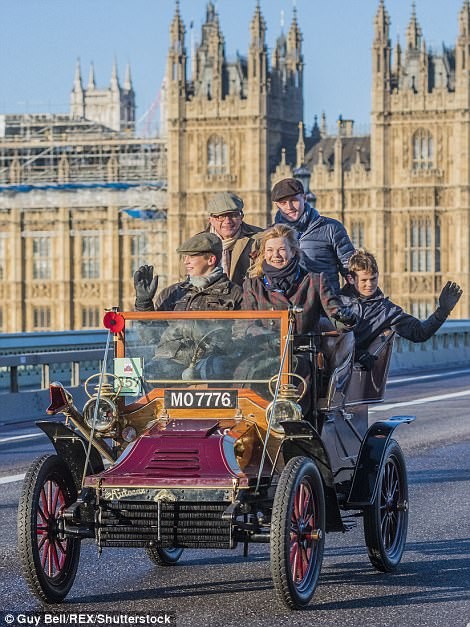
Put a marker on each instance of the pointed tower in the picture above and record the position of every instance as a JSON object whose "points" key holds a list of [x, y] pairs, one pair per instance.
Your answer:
{"points": [[294, 53], [413, 32], [77, 103], [210, 58], [381, 57], [462, 56], [257, 55], [114, 82], [91, 78]]}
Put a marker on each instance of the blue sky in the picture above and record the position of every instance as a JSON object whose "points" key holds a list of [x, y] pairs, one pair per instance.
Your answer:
{"points": [[40, 41]]}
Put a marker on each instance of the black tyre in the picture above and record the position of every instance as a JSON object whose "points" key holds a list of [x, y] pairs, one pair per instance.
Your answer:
{"points": [[297, 532], [164, 557], [386, 521], [49, 562]]}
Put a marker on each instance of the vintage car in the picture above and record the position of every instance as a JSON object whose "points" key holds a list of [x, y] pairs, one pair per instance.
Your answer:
{"points": [[212, 429]]}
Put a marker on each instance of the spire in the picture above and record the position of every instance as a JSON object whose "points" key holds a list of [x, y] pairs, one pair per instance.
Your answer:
{"points": [[300, 147], [397, 59], [128, 79], [464, 20], [77, 83], [114, 77], [258, 29], [382, 24], [91, 77], [177, 30], [294, 37], [413, 33]]}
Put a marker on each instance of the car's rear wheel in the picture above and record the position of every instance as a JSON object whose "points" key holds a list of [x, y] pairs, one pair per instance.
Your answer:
{"points": [[386, 521], [297, 532], [49, 561], [164, 557]]}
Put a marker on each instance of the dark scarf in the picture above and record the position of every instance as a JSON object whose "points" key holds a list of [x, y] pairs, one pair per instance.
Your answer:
{"points": [[299, 225], [285, 279]]}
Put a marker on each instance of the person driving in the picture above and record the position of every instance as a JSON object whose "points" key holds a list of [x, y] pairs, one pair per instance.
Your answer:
{"points": [[184, 346]]}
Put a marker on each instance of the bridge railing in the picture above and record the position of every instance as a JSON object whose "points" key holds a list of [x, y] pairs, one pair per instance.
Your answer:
{"points": [[29, 362]]}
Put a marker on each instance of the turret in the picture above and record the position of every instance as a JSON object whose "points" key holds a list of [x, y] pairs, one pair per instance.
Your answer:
{"points": [[381, 49], [294, 52], [91, 78], [462, 53], [176, 68], [77, 103], [257, 56]]}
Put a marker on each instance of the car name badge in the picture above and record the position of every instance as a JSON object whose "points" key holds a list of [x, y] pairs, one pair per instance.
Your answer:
{"points": [[201, 399]]}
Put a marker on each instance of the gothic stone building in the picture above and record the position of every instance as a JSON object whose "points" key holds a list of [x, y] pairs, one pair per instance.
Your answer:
{"points": [[227, 124], [74, 188], [404, 191]]}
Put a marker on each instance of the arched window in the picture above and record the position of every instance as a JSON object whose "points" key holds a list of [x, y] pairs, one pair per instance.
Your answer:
{"points": [[423, 150], [217, 155]]}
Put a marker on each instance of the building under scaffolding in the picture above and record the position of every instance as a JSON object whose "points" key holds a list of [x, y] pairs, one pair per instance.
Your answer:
{"points": [[81, 207]]}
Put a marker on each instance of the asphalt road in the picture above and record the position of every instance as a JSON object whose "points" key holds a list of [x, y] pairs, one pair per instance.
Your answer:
{"points": [[431, 587]]}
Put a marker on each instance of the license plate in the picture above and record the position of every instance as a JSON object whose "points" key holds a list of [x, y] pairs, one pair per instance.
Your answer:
{"points": [[193, 399]]}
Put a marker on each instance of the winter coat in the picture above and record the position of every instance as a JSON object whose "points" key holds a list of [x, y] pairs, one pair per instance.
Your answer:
{"points": [[326, 245], [377, 313], [314, 294], [240, 259], [222, 295]]}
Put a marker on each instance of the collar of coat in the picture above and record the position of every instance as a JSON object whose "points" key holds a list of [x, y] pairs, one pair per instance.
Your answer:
{"points": [[221, 286], [351, 292]]}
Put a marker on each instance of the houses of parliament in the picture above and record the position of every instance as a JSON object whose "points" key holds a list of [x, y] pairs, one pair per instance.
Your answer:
{"points": [[84, 201]]}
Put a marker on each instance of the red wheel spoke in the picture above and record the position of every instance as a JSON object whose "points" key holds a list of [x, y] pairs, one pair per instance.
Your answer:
{"points": [[44, 555], [45, 509], [42, 541], [55, 498], [49, 559], [55, 556]]}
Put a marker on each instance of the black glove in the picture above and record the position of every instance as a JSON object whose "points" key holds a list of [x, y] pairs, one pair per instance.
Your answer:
{"points": [[367, 360], [346, 316], [448, 298], [145, 287]]}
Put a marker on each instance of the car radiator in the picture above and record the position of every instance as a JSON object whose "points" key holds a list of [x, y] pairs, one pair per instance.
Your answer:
{"points": [[164, 524]]}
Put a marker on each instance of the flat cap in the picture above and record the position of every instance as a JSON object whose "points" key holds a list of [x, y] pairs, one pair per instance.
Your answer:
{"points": [[223, 202], [201, 243], [285, 188]]}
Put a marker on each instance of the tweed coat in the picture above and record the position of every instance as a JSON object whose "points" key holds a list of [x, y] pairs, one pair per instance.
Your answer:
{"points": [[240, 259], [222, 295]]}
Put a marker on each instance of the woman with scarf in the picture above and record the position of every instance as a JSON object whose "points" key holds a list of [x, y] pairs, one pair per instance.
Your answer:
{"points": [[279, 280]]}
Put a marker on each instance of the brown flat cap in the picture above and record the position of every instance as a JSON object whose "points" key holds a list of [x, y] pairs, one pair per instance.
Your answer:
{"points": [[285, 188], [224, 202], [201, 243]]}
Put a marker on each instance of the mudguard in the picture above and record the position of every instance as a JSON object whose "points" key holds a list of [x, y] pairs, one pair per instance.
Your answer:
{"points": [[302, 439], [72, 448], [370, 459]]}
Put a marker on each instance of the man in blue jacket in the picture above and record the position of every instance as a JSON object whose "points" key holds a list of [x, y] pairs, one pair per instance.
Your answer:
{"points": [[324, 241], [376, 313]]}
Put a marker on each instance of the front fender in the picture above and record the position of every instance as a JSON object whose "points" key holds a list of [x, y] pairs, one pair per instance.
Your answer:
{"points": [[302, 439], [72, 448], [370, 459]]}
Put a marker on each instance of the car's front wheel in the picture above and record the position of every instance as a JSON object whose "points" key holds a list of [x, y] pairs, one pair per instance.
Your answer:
{"points": [[386, 520], [49, 560], [297, 532]]}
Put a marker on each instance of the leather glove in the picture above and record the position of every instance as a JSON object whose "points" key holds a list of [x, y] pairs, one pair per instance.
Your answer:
{"points": [[367, 360], [346, 316], [145, 287], [448, 298]]}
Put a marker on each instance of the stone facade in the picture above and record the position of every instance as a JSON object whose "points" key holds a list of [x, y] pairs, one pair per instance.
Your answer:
{"points": [[228, 122]]}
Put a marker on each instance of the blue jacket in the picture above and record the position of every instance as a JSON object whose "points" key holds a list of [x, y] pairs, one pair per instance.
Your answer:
{"points": [[324, 242], [377, 313]]}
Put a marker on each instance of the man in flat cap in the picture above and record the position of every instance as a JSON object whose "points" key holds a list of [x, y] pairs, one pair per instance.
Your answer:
{"points": [[237, 237], [324, 241], [190, 349], [206, 286]]}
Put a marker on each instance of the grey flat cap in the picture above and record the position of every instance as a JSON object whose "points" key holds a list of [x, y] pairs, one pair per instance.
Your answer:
{"points": [[201, 243], [224, 202]]}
